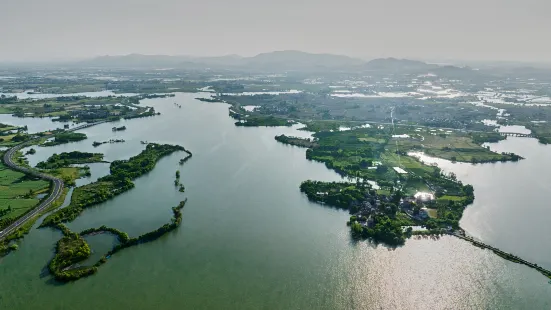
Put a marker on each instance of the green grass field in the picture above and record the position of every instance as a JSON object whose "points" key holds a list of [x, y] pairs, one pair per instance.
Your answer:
{"points": [[14, 191], [452, 146]]}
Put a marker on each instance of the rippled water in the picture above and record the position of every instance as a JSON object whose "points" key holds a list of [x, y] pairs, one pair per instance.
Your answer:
{"points": [[511, 207], [251, 240]]}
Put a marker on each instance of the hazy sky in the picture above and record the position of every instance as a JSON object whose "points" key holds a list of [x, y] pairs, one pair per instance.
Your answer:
{"points": [[427, 29]]}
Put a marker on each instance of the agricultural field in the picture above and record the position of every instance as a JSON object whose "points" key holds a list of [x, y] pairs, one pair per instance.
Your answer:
{"points": [[18, 193], [450, 145]]}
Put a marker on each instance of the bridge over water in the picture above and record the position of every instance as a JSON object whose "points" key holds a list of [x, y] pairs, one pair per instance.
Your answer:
{"points": [[505, 255], [517, 134]]}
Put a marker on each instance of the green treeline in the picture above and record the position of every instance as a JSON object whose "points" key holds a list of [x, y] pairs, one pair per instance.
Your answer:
{"points": [[385, 229], [188, 157], [302, 142], [122, 236], [72, 248], [66, 137], [337, 194], [209, 99], [155, 234], [87, 196], [483, 137], [5, 211], [148, 113], [70, 158], [118, 182], [142, 163]]}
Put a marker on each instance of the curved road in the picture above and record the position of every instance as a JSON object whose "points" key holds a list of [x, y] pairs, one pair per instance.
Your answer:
{"points": [[57, 183]]}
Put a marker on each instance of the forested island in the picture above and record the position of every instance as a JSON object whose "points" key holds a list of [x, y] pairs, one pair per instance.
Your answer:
{"points": [[65, 137], [96, 143], [70, 158], [296, 141], [212, 100]]}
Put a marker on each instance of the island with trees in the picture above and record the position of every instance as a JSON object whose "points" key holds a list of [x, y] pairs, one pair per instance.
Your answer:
{"points": [[72, 248], [70, 158], [65, 137], [302, 142], [96, 143]]}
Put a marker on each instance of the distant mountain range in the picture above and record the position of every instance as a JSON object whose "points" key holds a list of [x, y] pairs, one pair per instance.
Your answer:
{"points": [[273, 61], [393, 64], [281, 59]]}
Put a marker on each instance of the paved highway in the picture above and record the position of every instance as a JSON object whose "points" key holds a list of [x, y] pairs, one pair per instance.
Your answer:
{"points": [[55, 193]]}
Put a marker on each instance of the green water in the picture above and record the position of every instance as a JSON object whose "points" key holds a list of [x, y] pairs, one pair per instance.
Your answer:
{"points": [[249, 238]]}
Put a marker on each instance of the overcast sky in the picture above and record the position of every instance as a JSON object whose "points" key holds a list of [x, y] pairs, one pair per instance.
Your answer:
{"points": [[423, 29]]}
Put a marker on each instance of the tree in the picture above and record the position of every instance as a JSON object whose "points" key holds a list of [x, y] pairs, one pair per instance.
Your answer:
{"points": [[382, 169], [453, 176]]}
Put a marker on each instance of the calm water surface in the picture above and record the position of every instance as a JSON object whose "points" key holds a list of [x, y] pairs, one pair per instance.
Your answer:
{"points": [[27, 95], [251, 240]]}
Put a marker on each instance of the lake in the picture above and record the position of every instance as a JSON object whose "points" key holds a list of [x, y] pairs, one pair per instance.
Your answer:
{"points": [[250, 240], [28, 94]]}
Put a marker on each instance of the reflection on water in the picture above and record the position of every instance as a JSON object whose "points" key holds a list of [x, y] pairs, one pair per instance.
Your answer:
{"points": [[34, 124], [515, 128], [511, 201]]}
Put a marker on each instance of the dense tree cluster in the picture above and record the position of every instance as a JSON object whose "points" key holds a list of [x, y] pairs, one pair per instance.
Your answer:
{"points": [[141, 163], [385, 230], [70, 249], [302, 142], [122, 236], [188, 157], [5, 211], [69, 158], [66, 137], [483, 137], [337, 194]]}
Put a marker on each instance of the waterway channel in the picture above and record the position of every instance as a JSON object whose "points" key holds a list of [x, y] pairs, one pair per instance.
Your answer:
{"points": [[250, 240]]}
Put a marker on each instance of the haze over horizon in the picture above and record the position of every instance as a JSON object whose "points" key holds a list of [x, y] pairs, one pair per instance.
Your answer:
{"points": [[426, 29]]}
